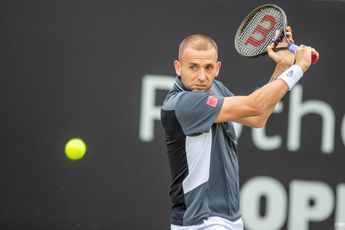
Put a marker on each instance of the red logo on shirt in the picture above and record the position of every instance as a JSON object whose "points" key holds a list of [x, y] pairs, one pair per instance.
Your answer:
{"points": [[212, 101]]}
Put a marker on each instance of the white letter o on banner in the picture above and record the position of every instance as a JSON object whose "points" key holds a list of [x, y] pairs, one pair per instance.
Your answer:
{"points": [[276, 203]]}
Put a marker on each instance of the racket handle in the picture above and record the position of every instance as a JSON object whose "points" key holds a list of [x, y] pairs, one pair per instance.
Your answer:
{"points": [[293, 48]]}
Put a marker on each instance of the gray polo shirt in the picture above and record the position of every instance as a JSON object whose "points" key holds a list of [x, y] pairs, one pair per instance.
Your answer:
{"points": [[202, 155]]}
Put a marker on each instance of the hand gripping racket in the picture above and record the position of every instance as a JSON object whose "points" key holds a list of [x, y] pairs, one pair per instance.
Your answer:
{"points": [[258, 30]]}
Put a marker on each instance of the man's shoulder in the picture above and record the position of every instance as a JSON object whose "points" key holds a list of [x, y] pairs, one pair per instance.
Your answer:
{"points": [[183, 98], [222, 88], [219, 84], [171, 99]]}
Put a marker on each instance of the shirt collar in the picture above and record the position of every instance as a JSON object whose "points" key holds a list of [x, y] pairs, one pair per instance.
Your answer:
{"points": [[178, 85]]}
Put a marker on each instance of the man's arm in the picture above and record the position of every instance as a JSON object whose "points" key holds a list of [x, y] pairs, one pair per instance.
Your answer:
{"points": [[260, 120], [262, 101], [248, 109], [283, 59]]}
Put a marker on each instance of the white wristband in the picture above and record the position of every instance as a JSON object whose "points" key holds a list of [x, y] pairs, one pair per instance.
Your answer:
{"points": [[292, 75]]}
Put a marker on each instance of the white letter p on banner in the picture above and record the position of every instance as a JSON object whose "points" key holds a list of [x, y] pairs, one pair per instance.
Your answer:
{"points": [[309, 201]]}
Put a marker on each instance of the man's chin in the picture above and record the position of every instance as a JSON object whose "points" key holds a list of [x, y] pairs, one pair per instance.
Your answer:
{"points": [[200, 90]]}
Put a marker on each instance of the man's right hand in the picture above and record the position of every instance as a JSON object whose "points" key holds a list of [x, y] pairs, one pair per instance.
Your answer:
{"points": [[283, 57], [303, 56]]}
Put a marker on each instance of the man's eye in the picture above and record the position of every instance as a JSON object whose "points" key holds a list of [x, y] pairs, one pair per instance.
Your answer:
{"points": [[210, 67], [193, 67]]}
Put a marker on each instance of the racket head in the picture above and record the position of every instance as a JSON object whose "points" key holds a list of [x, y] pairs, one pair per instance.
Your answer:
{"points": [[258, 29]]}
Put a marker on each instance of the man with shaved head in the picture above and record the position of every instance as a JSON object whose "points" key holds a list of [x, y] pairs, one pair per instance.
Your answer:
{"points": [[197, 116], [197, 42]]}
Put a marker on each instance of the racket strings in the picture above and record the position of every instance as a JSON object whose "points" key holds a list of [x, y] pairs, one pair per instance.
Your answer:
{"points": [[249, 28]]}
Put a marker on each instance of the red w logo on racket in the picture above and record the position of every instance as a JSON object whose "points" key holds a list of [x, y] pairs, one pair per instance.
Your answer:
{"points": [[264, 31]]}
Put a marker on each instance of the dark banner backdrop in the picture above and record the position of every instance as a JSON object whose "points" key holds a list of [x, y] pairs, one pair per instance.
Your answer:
{"points": [[99, 70]]}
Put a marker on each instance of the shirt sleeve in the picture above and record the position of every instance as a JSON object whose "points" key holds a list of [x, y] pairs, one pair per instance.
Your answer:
{"points": [[196, 112]]}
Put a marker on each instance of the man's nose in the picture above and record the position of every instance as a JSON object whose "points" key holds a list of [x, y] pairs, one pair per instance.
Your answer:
{"points": [[202, 75]]}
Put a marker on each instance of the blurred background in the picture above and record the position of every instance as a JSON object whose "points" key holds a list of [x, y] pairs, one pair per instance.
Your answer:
{"points": [[99, 70]]}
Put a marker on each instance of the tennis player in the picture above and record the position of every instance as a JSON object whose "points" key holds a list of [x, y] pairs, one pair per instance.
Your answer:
{"points": [[200, 138]]}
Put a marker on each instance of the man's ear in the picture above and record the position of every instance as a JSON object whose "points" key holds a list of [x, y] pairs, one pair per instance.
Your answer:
{"points": [[219, 64], [177, 65]]}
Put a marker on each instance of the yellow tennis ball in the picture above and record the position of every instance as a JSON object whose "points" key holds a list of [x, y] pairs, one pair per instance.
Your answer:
{"points": [[75, 149]]}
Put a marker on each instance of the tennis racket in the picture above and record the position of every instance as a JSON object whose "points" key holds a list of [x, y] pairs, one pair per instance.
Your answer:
{"points": [[258, 30]]}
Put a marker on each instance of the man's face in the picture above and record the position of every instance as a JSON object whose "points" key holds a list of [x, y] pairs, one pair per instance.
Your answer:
{"points": [[198, 69]]}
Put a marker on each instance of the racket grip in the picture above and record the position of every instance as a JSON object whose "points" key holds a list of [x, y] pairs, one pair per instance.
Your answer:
{"points": [[293, 48]]}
